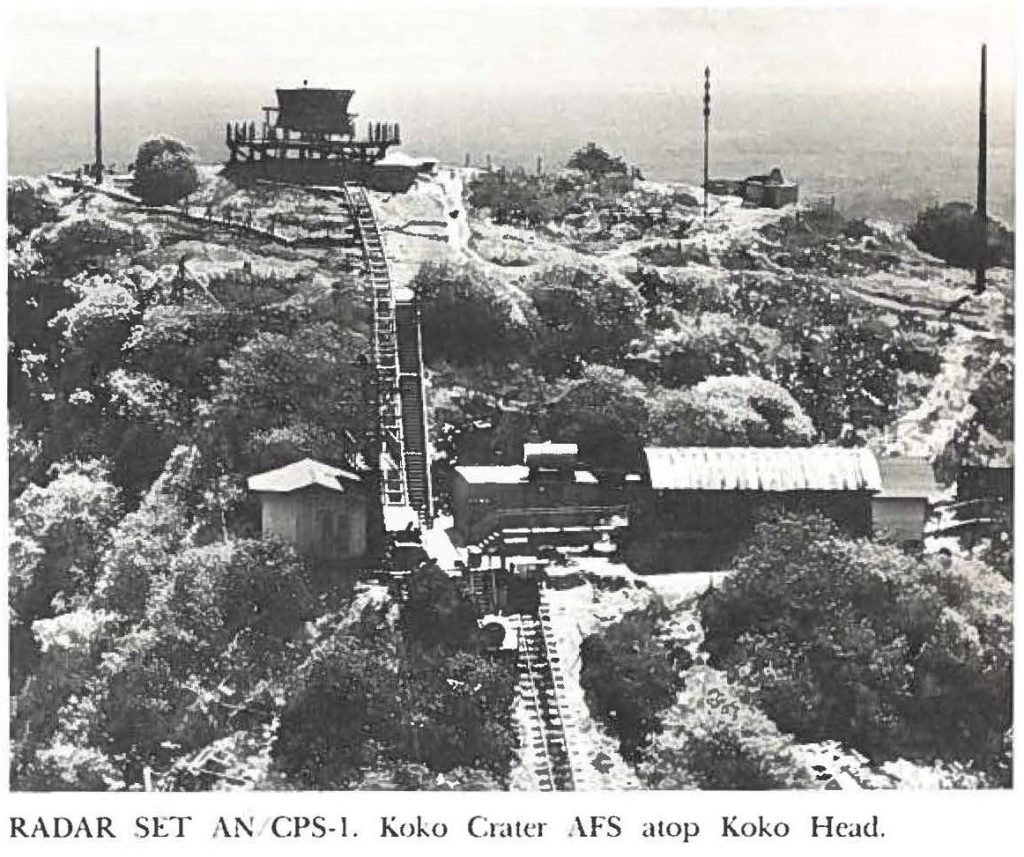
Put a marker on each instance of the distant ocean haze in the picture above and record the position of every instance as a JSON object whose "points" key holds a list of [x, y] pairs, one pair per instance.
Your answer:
{"points": [[881, 155]]}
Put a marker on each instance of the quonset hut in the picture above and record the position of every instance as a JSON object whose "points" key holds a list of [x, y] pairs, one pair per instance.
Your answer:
{"points": [[310, 137]]}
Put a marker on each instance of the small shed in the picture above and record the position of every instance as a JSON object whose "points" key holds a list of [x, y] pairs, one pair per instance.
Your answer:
{"points": [[320, 509], [900, 509]]}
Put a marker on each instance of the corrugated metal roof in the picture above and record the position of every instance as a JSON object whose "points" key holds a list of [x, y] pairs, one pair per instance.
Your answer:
{"points": [[908, 477], [817, 468], [301, 474]]}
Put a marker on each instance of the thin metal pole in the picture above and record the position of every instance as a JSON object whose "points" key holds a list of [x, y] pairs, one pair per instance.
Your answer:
{"points": [[707, 117], [98, 125], [982, 213]]}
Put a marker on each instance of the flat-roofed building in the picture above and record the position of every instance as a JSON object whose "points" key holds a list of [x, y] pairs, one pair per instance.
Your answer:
{"points": [[549, 491], [900, 509]]}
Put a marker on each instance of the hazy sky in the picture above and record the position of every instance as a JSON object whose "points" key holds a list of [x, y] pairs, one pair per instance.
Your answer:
{"points": [[494, 47]]}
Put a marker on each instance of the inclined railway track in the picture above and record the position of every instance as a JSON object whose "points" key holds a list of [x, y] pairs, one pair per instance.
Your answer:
{"points": [[545, 747], [398, 360]]}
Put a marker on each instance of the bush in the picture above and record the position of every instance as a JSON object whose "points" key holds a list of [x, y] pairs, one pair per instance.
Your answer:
{"points": [[858, 642], [89, 241], [58, 534], [437, 611], [730, 411], [165, 171], [469, 317], [520, 199], [605, 412], [950, 232], [30, 203], [629, 677], [586, 314], [595, 161], [728, 747], [359, 708]]}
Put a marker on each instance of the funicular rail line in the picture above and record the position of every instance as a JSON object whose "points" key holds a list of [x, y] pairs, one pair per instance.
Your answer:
{"points": [[394, 489], [398, 363], [543, 729]]}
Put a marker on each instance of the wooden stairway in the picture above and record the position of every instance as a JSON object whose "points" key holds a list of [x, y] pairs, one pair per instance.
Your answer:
{"points": [[414, 415]]}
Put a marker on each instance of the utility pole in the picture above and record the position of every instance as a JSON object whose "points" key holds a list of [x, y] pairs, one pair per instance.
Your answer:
{"points": [[98, 125], [707, 118], [982, 212]]}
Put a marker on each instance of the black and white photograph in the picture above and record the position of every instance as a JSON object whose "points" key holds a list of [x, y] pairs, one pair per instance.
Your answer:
{"points": [[471, 397]]}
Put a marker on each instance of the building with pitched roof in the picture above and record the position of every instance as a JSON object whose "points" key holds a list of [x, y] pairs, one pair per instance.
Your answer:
{"points": [[690, 507], [320, 509], [694, 506]]}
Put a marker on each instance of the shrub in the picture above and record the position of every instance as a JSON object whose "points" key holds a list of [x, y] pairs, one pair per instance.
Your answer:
{"points": [[30, 203], [469, 317], [950, 231], [520, 199], [730, 411], [165, 171], [586, 314], [437, 611], [89, 241], [595, 161], [629, 677], [605, 412], [732, 746], [58, 534], [859, 642]]}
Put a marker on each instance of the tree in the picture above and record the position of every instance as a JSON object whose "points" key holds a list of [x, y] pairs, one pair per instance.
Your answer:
{"points": [[729, 411], [318, 379], [171, 513], [68, 647], [437, 611], [629, 677], [470, 317], [58, 534], [247, 595], [606, 412], [186, 346], [165, 171], [595, 161], [857, 641], [63, 767], [348, 697], [30, 203]]}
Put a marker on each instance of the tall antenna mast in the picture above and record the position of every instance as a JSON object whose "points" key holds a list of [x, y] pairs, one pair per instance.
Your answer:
{"points": [[707, 117], [98, 125], [982, 213]]}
